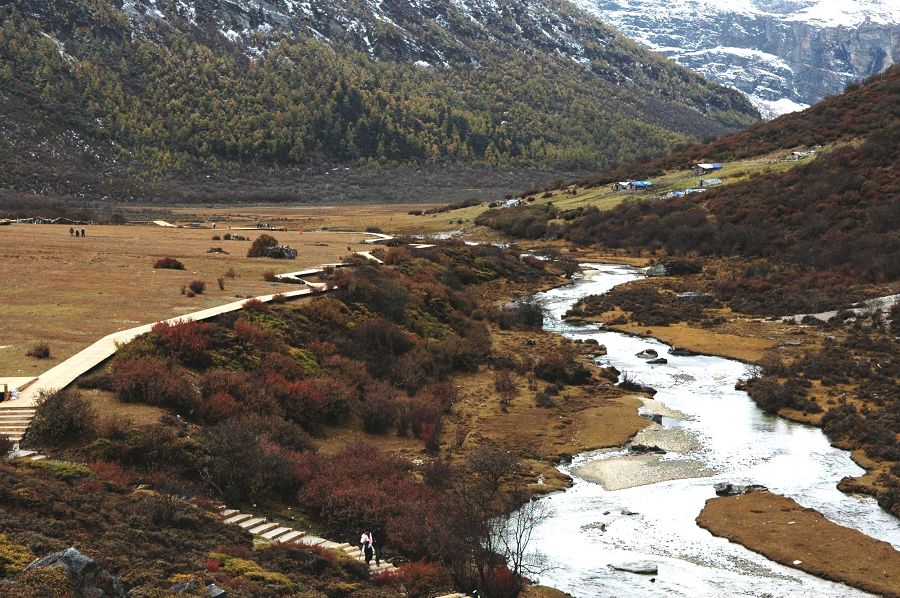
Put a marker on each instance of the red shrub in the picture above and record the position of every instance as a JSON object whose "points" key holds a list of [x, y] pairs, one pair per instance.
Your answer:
{"points": [[361, 487], [189, 340], [269, 276], [378, 409], [419, 579], [254, 304], [220, 406], [424, 412], [112, 473], [260, 337], [151, 381], [212, 565], [237, 384], [283, 364]]}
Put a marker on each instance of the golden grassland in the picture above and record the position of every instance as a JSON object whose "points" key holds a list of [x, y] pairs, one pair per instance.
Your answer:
{"points": [[785, 532], [70, 292]]}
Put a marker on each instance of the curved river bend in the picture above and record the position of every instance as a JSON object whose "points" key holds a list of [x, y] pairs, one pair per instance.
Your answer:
{"points": [[732, 440]]}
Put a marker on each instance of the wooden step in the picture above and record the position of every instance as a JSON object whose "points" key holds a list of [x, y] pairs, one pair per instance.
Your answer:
{"points": [[248, 523], [259, 529], [238, 518], [290, 537], [229, 513], [275, 533]]}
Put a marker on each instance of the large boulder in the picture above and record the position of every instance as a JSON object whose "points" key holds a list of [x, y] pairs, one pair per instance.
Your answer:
{"points": [[657, 270], [647, 354], [86, 577]]}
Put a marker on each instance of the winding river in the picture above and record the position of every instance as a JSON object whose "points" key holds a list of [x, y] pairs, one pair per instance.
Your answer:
{"points": [[719, 435]]}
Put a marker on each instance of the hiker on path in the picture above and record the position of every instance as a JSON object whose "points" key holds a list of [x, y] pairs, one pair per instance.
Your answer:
{"points": [[378, 544], [76, 233], [365, 543], [71, 231], [82, 233]]}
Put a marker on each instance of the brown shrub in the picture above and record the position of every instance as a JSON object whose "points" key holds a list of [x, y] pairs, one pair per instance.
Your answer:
{"points": [[254, 304], [41, 350], [60, 417], [258, 248], [269, 276], [378, 409], [197, 286], [168, 263]]}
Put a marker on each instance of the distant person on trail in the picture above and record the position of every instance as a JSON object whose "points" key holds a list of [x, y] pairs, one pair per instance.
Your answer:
{"points": [[76, 233], [378, 544], [71, 231], [365, 543], [82, 233]]}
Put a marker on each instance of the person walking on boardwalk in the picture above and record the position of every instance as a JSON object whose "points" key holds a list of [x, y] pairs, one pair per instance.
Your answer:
{"points": [[365, 543]]}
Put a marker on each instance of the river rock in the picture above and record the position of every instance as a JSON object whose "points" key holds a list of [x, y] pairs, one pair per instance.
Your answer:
{"points": [[647, 354], [639, 567], [741, 384], [680, 352], [647, 448], [658, 361], [215, 591], [730, 489], [637, 387]]}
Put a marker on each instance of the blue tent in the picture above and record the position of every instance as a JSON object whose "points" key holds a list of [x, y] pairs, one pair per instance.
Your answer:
{"points": [[710, 166], [641, 184]]}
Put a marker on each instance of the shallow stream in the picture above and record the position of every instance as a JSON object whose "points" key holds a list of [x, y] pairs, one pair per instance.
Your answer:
{"points": [[723, 437]]}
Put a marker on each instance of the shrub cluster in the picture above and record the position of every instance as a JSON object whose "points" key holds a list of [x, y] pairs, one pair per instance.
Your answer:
{"points": [[168, 263], [260, 244], [60, 417]]}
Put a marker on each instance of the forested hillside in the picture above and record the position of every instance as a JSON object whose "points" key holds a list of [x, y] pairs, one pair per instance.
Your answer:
{"points": [[823, 225], [150, 92]]}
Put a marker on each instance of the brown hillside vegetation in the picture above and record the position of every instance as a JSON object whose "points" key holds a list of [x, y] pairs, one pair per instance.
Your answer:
{"points": [[863, 108], [305, 408]]}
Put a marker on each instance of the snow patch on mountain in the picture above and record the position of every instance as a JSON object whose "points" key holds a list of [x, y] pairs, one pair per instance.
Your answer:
{"points": [[782, 54]]}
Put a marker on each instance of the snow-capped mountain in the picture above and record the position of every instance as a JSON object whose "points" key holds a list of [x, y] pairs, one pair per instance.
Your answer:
{"points": [[784, 54]]}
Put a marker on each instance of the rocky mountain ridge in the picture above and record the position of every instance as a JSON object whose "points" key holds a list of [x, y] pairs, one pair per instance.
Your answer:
{"points": [[784, 54]]}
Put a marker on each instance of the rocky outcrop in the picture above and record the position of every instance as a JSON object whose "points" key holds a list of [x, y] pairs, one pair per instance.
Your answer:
{"points": [[86, 577], [784, 55]]}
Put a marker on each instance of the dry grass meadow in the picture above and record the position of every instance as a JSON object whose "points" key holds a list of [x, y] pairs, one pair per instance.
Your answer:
{"points": [[69, 292]]}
